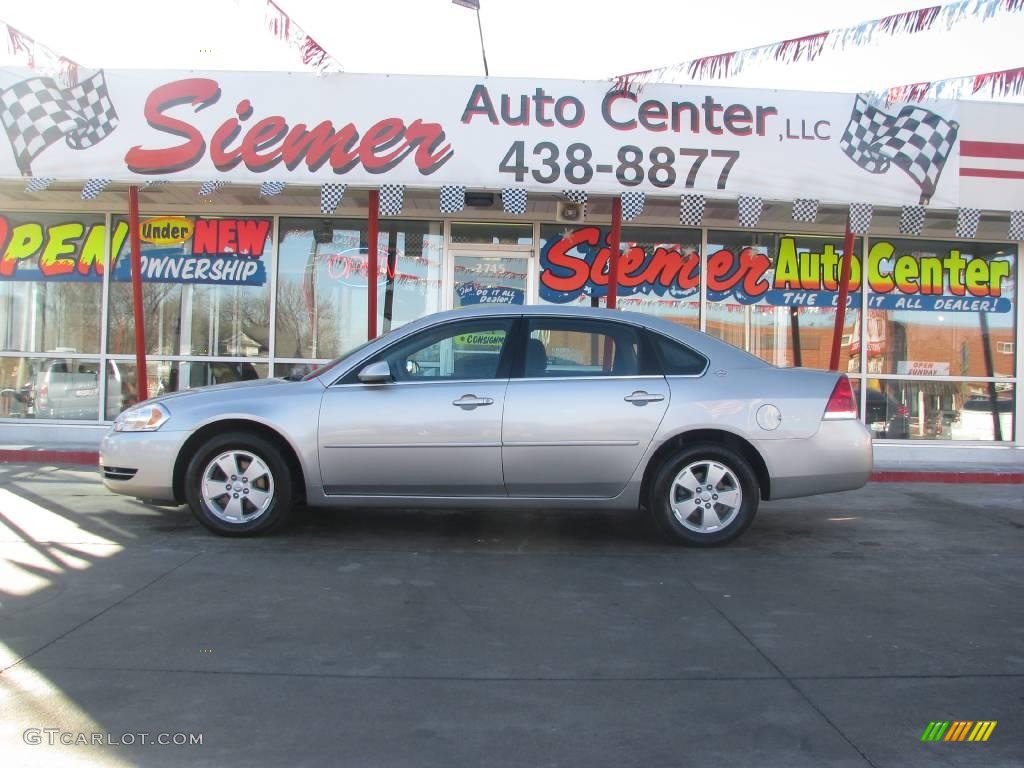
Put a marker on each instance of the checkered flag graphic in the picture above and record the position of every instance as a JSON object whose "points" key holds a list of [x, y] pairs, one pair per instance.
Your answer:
{"points": [[967, 220], [93, 187], [1016, 225], [691, 210], [805, 210], [392, 198], [271, 188], [860, 218], [513, 200], [38, 184], [916, 140], [578, 196], [912, 219], [748, 210], [38, 112], [632, 204], [453, 198], [330, 198], [207, 188]]}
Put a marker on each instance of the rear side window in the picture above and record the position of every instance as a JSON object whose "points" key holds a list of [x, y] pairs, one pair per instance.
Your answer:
{"points": [[559, 347], [678, 359]]}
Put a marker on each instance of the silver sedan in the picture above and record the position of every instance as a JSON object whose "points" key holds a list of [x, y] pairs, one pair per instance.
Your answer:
{"points": [[504, 407]]}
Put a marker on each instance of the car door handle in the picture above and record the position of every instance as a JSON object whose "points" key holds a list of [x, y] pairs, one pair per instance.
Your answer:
{"points": [[468, 402], [643, 398]]}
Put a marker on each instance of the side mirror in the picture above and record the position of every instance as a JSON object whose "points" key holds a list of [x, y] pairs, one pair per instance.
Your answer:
{"points": [[376, 373]]}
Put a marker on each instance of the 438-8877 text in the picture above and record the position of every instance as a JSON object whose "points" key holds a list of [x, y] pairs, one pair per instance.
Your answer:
{"points": [[632, 166]]}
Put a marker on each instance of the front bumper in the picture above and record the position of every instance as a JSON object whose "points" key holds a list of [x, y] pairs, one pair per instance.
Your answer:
{"points": [[837, 458], [150, 454]]}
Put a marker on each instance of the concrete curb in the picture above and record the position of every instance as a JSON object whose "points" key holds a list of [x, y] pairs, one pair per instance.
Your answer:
{"points": [[947, 477], [91, 458], [48, 456]]}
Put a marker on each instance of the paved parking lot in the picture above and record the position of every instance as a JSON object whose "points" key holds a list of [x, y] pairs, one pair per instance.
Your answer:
{"points": [[831, 634]]}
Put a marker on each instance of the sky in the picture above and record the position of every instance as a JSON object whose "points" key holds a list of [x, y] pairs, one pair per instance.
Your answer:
{"points": [[564, 39]]}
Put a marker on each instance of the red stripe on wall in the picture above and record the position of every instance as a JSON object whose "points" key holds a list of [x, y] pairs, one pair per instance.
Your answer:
{"points": [[991, 173], [1004, 149]]}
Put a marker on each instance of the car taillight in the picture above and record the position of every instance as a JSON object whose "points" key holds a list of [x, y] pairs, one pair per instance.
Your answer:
{"points": [[842, 404], [903, 411]]}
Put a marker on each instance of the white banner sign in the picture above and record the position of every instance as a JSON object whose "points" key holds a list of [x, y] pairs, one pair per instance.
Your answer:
{"points": [[921, 368], [548, 135]]}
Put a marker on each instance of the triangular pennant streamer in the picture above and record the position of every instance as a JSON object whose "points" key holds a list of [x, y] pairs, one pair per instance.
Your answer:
{"points": [[632, 204], [38, 184], [912, 219], [330, 198], [1016, 231], [860, 218], [207, 188], [691, 210], [748, 210], [453, 198], [967, 220], [391, 200], [513, 200], [271, 188], [93, 187], [805, 210]]}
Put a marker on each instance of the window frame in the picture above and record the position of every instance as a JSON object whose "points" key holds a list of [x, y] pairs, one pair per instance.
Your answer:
{"points": [[655, 338]]}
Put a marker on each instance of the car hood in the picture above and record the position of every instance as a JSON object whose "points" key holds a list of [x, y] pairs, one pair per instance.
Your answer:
{"points": [[198, 391]]}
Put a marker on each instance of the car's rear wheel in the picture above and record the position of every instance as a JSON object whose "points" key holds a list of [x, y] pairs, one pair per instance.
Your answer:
{"points": [[238, 484], [704, 495]]}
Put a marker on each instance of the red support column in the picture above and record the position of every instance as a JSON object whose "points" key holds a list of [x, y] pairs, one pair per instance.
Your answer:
{"points": [[371, 266], [614, 243], [141, 377], [844, 291]]}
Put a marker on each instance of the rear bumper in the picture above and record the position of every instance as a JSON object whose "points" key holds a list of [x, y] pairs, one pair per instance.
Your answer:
{"points": [[837, 458], [150, 454]]}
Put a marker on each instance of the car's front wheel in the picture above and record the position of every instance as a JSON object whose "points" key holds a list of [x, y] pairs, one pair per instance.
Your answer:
{"points": [[239, 484], [704, 495]]}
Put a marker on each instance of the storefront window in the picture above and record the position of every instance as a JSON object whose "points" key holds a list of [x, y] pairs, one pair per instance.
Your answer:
{"points": [[54, 387], [941, 309], [322, 282], [775, 296], [491, 234], [51, 273], [659, 270], [164, 376], [940, 410], [205, 286]]}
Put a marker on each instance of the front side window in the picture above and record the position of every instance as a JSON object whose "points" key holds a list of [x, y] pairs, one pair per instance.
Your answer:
{"points": [[559, 348], [453, 352]]}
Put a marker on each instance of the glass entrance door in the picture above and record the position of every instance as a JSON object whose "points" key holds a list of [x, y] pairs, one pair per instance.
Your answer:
{"points": [[490, 276]]}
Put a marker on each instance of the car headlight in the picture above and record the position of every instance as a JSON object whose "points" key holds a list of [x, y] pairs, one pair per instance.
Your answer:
{"points": [[142, 418]]}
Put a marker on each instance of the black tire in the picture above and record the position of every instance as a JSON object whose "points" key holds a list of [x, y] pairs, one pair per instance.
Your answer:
{"points": [[661, 488], [206, 512]]}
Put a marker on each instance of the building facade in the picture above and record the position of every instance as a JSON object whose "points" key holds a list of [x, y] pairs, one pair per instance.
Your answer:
{"points": [[240, 282]]}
